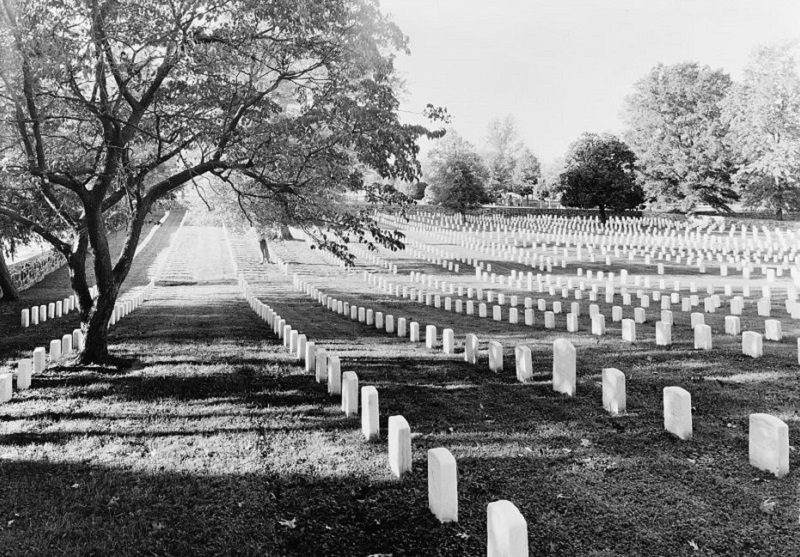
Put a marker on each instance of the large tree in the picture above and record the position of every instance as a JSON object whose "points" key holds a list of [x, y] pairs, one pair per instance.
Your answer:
{"points": [[550, 179], [511, 165], [599, 172], [503, 147], [527, 173], [457, 176], [111, 105], [675, 129], [763, 114]]}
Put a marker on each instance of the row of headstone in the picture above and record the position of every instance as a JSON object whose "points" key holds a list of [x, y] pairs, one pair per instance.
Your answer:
{"points": [[710, 304], [42, 313], [768, 435], [702, 331], [613, 401], [64, 347], [578, 228], [442, 474], [692, 301], [769, 272]]}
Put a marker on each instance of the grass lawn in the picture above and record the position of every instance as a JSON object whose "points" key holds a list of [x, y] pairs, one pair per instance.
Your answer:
{"points": [[220, 444]]}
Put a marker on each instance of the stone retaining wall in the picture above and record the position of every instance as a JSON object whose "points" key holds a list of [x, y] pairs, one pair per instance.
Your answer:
{"points": [[31, 271]]}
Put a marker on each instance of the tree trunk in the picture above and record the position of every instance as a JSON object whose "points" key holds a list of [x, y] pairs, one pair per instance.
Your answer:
{"points": [[7, 287], [777, 200], [603, 216], [95, 350], [285, 233], [109, 280], [76, 262]]}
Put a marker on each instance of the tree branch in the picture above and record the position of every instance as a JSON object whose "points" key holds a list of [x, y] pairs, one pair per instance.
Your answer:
{"points": [[60, 245], [176, 181]]}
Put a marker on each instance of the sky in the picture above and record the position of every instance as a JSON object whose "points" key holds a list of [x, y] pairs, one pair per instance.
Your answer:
{"points": [[564, 67]]}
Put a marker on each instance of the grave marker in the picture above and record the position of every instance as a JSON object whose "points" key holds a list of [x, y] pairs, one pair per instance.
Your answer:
{"points": [[66, 345], [321, 359], [414, 331], [752, 344], [529, 317], [702, 337], [678, 412], [733, 325], [507, 531], [613, 390], [495, 356], [369, 413], [572, 323], [430, 336], [442, 485], [773, 329], [628, 330], [598, 324], [311, 356], [6, 387], [349, 393], [448, 341], [769, 444], [334, 375], [24, 371], [77, 339], [663, 333], [471, 349], [564, 364], [399, 446], [55, 351], [524, 363]]}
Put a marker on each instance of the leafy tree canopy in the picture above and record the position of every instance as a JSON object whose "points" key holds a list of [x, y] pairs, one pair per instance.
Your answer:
{"points": [[527, 173], [110, 106], [599, 172], [457, 175], [763, 114], [675, 129], [512, 166]]}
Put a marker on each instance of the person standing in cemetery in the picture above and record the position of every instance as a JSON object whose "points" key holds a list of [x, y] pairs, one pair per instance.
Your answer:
{"points": [[262, 244]]}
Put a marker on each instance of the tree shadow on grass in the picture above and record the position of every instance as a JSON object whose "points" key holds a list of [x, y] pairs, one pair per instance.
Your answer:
{"points": [[84, 510]]}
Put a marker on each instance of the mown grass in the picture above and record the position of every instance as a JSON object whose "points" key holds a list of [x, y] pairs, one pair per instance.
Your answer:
{"points": [[220, 444]]}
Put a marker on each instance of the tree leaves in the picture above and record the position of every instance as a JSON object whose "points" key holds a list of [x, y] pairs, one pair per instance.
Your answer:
{"points": [[600, 173], [763, 113], [674, 127], [457, 175]]}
